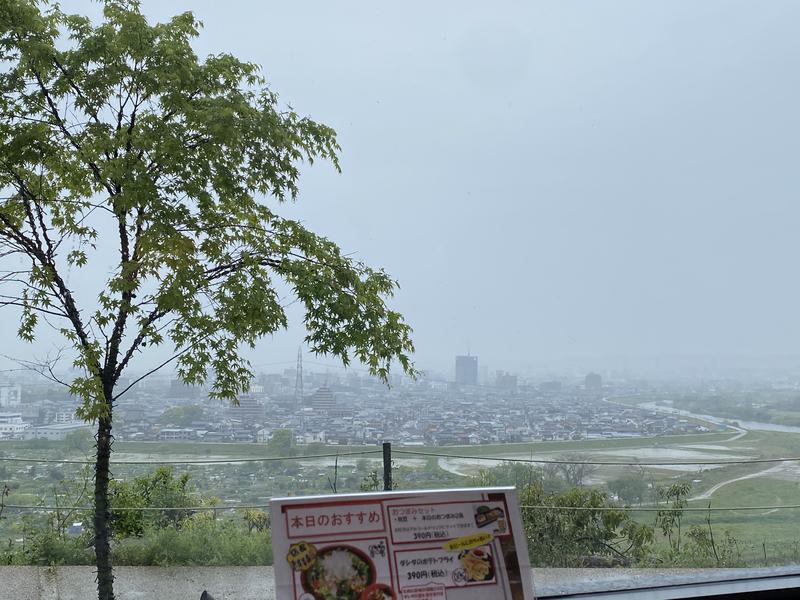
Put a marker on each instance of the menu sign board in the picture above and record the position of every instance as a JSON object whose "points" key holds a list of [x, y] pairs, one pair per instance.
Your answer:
{"points": [[465, 544]]}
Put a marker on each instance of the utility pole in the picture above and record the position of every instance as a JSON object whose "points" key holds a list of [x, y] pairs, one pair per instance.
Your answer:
{"points": [[387, 467]]}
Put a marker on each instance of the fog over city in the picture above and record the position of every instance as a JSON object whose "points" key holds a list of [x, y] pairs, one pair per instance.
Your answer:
{"points": [[529, 319], [554, 184]]}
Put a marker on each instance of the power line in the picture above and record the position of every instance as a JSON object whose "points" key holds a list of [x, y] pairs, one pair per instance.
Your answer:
{"points": [[188, 462], [662, 509], [522, 506], [560, 461], [133, 508], [556, 461]]}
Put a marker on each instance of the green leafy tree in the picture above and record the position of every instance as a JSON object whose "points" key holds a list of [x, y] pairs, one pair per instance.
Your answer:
{"points": [[581, 529], [68, 494], [516, 474], [670, 518], [630, 488], [703, 549], [281, 442], [256, 519], [158, 489], [4, 492], [371, 482], [574, 469], [124, 153], [181, 416]]}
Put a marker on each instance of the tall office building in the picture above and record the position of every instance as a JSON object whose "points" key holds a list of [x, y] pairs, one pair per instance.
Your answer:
{"points": [[593, 381], [467, 370], [506, 380], [10, 396]]}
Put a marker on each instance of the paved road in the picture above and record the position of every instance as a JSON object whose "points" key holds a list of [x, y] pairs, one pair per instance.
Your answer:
{"points": [[710, 491]]}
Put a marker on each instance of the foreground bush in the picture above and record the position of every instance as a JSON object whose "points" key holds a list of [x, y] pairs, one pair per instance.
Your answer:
{"points": [[200, 541]]}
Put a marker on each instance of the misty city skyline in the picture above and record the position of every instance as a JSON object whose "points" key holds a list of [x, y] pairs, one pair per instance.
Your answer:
{"points": [[553, 188]]}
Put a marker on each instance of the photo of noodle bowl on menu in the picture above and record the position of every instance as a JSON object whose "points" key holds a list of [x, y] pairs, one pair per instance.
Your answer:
{"points": [[339, 573]]}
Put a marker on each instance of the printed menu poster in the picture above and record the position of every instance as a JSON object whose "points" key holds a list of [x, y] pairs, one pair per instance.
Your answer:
{"points": [[465, 544]]}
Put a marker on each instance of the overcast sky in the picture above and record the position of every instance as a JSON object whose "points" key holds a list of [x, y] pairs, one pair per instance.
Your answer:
{"points": [[549, 181]]}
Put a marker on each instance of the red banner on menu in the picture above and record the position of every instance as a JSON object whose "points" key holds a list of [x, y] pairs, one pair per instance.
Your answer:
{"points": [[464, 544]]}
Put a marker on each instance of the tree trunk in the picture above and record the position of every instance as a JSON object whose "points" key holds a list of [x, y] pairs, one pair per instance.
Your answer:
{"points": [[102, 515]]}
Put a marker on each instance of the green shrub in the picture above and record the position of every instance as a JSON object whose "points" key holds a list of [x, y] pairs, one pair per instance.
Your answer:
{"points": [[157, 489], [583, 529], [198, 542], [46, 548]]}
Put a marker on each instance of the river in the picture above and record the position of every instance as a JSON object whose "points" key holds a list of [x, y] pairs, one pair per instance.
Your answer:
{"points": [[750, 425]]}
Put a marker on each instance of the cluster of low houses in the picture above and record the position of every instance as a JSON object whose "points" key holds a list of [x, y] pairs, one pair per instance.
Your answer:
{"points": [[414, 419], [344, 413]]}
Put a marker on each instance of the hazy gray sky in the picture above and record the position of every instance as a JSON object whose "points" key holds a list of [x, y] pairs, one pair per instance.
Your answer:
{"points": [[548, 180]]}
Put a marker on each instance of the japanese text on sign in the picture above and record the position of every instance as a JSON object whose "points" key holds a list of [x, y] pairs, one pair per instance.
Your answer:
{"points": [[326, 520]]}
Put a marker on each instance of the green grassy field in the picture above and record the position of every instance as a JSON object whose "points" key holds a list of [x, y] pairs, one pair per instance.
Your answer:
{"points": [[202, 450], [775, 534]]}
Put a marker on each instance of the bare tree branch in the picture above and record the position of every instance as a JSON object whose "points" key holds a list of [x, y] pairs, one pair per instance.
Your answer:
{"points": [[44, 368], [161, 366]]}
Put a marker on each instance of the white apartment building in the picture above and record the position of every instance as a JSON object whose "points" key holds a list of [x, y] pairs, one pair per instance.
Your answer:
{"points": [[11, 424], [10, 396], [58, 431]]}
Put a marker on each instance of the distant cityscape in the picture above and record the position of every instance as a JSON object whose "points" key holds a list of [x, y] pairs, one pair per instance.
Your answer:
{"points": [[352, 408]]}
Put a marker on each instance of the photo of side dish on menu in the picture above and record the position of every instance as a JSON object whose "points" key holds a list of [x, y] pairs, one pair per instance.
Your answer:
{"points": [[477, 564], [485, 515]]}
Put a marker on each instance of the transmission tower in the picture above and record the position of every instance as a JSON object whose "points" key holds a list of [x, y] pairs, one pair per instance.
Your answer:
{"points": [[298, 380]]}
